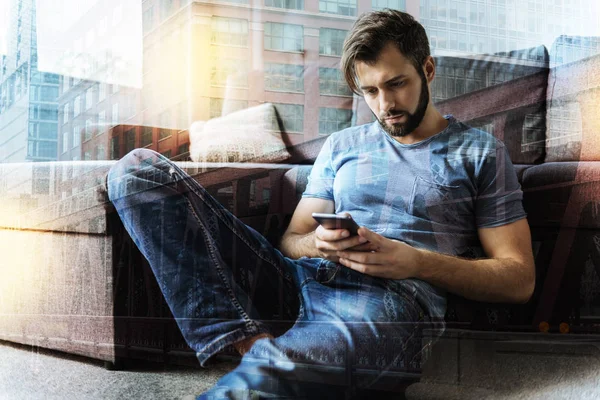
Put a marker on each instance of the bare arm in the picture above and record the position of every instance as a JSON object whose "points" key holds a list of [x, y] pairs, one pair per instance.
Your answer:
{"points": [[298, 239], [305, 237], [508, 275]]}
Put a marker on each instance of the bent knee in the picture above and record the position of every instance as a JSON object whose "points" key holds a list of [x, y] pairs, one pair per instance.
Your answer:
{"points": [[121, 172]]}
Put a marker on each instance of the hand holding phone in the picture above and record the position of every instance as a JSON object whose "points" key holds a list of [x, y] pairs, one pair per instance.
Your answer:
{"points": [[334, 221]]}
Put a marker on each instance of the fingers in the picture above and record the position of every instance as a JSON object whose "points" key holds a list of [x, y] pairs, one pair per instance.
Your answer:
{"points": [[331, 235], [369, 269], [364, 247], [336, 239], [370, 236], [362, 257]]}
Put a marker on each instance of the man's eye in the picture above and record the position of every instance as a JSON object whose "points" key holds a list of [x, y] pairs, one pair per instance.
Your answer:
{"points": [[371, 91], [398, 83]]}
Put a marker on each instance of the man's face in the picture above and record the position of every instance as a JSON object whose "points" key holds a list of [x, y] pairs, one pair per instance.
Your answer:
{"points": [[395, 91]]}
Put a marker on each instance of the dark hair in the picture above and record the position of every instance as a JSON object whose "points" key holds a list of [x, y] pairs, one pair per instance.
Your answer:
{"points": [[373, 31]]}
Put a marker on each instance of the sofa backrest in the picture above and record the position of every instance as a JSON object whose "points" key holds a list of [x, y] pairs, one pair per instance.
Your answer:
{"points": [[510, 101], [573, 97]]}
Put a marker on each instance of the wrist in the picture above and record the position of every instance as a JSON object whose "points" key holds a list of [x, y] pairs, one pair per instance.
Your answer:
{"points": [[419, 265]]}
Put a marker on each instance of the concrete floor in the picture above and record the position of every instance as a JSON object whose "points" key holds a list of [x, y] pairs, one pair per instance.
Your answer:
{"points": [[34, 373], [518, 373]]}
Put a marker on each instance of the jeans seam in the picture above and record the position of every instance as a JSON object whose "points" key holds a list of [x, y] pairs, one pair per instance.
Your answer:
{"points": [[249, 322]]}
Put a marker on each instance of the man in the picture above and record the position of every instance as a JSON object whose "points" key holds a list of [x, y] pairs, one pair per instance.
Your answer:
{"points": [[439, 207]]}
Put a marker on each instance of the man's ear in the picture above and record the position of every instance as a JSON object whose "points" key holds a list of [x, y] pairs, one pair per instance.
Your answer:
{"points": [[429, 68]]}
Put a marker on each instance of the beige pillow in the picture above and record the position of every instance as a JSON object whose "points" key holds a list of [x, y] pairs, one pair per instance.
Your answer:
{"points": [[252, 134]]}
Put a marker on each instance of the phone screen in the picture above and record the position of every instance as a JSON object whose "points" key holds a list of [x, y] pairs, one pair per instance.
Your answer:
{"points": [[333, 221]]}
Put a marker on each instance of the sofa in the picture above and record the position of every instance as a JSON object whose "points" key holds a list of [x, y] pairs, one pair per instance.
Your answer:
{"points": [[73, 281]]}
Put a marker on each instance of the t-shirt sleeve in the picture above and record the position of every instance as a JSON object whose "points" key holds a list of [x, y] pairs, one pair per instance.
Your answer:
{"points": [[500, 198], [322, 175]]}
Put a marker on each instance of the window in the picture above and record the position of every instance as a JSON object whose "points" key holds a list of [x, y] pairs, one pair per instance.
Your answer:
{"points": [[289, 4], [100, 152], [66, 113], [331, 82], [292, 116], [342, 7], [128, 109], [114, 148], [101, 91], [266, 195], [148, 20], [48, 114], [230, 72], [146, 136], [184, 148], [65, 141], [115, 114], [88, 98], [284, 77], [46, 150], [101, 121], [284, 37], [166, 8], [65, 84], [49, 93], [229, 31], [220, 107], [333, 120], [87, 156], [76, 106], [167, 154], [129, 140], [42, 130], [89, 127], [76, 136], [331, 41], [455, 81], [393, 4]]}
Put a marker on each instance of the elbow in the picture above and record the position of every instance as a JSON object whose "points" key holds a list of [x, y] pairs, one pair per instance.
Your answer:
{"points": [[285, 243], [527, 288], [525, 295]]}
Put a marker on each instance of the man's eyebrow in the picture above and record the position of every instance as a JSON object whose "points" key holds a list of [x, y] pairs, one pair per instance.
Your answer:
{"points": [[397, 77]]}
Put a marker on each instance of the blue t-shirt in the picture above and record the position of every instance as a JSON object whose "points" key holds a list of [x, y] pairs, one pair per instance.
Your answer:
{"points": [[433, 194]]}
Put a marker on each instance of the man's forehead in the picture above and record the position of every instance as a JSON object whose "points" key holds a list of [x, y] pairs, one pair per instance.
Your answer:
{"points": [[386, 67]]}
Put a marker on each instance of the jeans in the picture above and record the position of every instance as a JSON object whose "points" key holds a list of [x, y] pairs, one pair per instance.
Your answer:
{"points": [[336, 331]]}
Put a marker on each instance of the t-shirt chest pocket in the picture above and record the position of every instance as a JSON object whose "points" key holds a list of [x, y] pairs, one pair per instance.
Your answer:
{"points": [[439, 203]]}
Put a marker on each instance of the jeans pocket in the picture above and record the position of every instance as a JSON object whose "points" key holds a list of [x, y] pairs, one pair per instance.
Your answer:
{"points": [[326, 271]]}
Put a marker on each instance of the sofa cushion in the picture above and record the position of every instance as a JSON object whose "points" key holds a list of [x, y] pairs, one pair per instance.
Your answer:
{"points": [[253, 134], [573, 121], [563, 195], [506, 97]]}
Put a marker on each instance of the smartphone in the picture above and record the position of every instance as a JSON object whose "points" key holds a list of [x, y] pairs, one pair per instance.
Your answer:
{"points": [[333, 221]]}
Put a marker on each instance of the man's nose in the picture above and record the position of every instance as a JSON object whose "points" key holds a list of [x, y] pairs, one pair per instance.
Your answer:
{"points": [[386, 101]]}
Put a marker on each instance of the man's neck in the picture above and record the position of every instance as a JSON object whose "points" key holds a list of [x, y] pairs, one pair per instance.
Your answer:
{"points": [[432, 124]]}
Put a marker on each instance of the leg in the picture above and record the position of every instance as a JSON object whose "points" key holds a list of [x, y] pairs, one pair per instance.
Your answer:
{"points": [[355, 332], [220, 278]]}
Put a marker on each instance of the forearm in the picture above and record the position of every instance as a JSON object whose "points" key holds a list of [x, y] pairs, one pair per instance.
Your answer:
{"points": [[299, 245], [493, 279]]}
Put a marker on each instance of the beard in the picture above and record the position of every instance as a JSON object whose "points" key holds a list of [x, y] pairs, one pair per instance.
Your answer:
{"points": [[401, 129]]}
